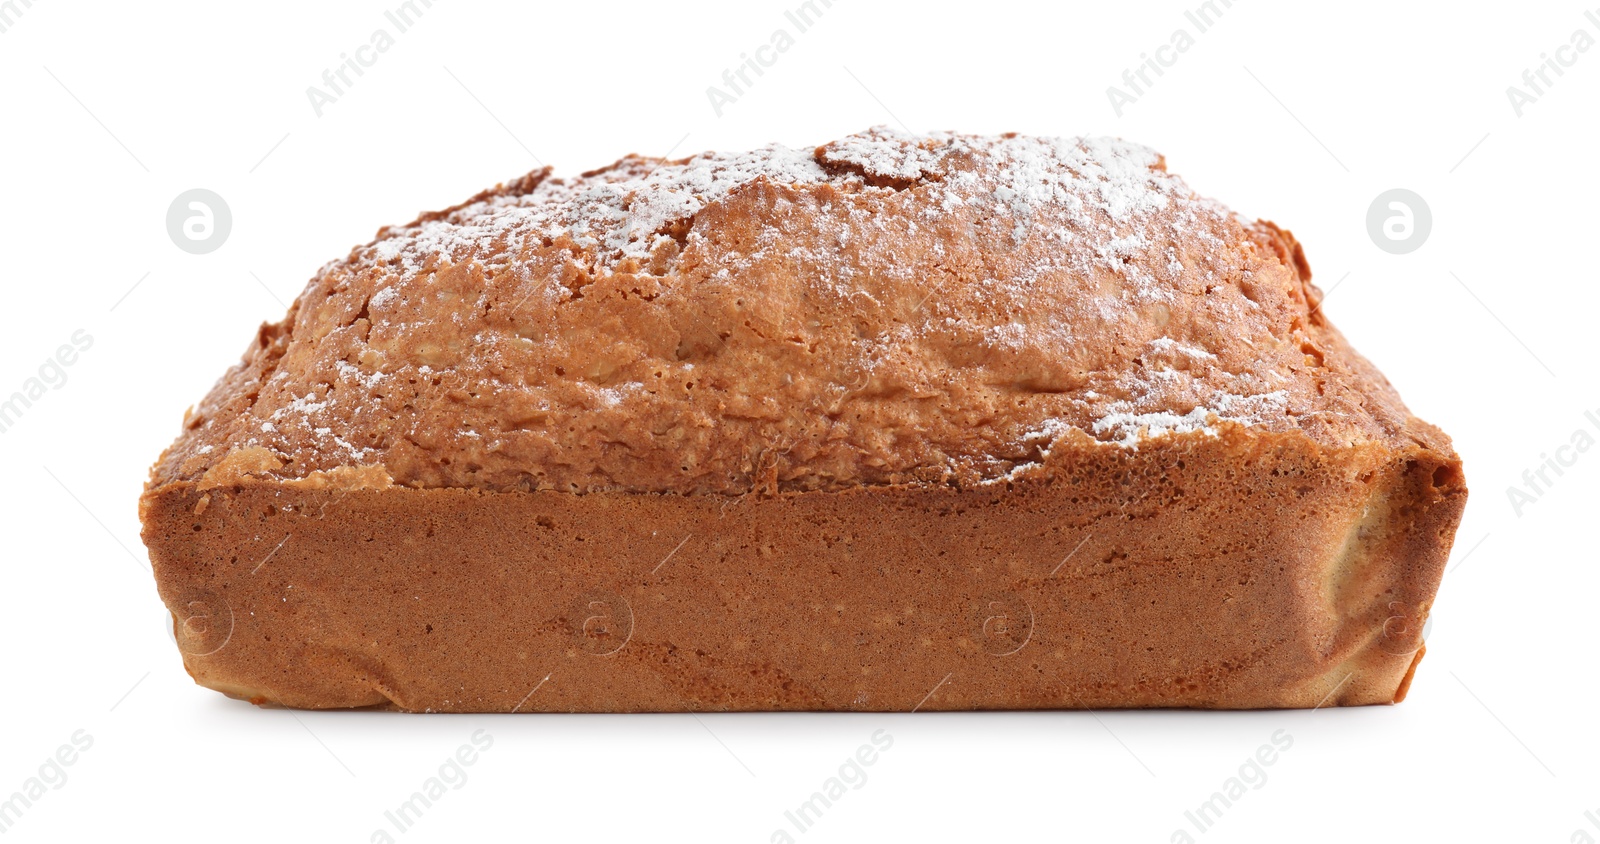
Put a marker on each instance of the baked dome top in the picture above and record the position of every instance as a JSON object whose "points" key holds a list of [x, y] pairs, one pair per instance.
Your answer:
{"points": [[886, 308]]}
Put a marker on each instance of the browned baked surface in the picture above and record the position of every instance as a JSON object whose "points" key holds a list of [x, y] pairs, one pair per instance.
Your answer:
{"points": [[872, 395]]}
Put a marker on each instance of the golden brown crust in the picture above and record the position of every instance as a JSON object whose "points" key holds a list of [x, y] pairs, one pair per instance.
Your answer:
{"points": [[828, 425], [1241, 571], [885, 310]]}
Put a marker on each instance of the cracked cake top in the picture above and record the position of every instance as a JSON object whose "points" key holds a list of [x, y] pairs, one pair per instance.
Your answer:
{"points": [[886, 308]]}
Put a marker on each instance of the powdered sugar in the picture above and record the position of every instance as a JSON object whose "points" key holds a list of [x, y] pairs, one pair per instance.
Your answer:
{"points": [[889, 153], [628, 210], [354, 373], [1009, 335], [388, 294], [1167, 344], [1060, 171], [622, 210], [1128, 428], [301, 405]]}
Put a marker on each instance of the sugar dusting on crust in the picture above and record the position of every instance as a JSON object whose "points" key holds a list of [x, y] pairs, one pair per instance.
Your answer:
{"points": [[1129, 427], [620, 211], [880, 309], [905, 157], [624, 210]]}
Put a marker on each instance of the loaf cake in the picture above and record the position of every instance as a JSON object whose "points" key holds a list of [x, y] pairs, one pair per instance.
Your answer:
{"points": [[902, 422]]}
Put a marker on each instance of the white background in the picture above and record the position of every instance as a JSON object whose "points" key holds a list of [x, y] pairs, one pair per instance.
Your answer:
{"points": [[1300, 113]]}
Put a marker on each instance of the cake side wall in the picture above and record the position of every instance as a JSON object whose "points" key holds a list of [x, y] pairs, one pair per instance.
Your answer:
{"points": [[1189, 573]]}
